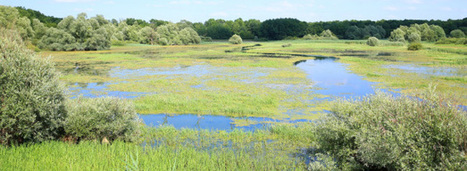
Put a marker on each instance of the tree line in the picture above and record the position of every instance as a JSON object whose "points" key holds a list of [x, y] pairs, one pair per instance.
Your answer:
{"points": [[96, 33]]}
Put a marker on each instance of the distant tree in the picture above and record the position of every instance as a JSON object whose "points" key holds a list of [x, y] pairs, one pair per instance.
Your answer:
{"points": [[148, 35], [327, 34], [414, 37], [457, 33], [235, 39], [354, 33], [218, 31], [278, 29], [398, 35], [79, 33], [171, 34]]}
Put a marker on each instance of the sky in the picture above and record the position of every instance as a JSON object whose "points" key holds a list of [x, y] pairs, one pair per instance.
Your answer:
{"points": [[202, 10]]}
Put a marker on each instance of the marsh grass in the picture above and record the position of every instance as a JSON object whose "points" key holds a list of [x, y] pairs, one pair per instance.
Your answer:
{"points": [[167, 148]]}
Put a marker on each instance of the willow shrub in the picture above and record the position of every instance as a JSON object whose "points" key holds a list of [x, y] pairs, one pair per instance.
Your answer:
{"points": [[31, 96], [109, 117], [372, 41], [235, 39], [397, 133]]}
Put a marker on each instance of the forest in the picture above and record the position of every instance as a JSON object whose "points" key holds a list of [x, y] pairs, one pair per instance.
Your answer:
{"points": [[97, 33]]}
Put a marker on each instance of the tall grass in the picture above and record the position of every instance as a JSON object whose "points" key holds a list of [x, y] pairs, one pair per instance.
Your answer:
{"points": [[168, 149]]}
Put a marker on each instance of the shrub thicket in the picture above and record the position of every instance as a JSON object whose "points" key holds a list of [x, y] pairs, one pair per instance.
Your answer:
{"points": [[457, 33], [415, 46], [236, 39], [414, 37], [372, 41], [108, 117], [31, 96], [395, 133]]}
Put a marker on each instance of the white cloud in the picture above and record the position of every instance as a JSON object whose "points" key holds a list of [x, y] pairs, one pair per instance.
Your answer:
{"points": [[74, 0]]}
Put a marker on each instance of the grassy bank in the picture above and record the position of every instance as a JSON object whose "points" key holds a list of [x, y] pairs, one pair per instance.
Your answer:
{"points": [[166, 148]]}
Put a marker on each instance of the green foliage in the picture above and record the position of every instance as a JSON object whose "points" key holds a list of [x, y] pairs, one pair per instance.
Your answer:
{"points": [[372, 41], [31, 96], [355, 32], [278, 29], [10, 19], [397, 35], [414, 37], [426, 32], [97, 118], [458, 41], [235, 39], [170, 34], [48, 21], [78, 34], [457, 33], [395, 133], [328, 35], [415, 46]]}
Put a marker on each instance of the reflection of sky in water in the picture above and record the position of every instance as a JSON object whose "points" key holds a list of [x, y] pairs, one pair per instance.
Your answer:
{"points": [[334, 79], [435, 71], [330, 76], [207, 121]]}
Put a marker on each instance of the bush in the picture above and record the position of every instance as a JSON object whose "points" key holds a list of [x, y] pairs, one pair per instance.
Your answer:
{"points": [[414, 37], [384, 132], [457, 33], [108, 117], [414, 46], [372, 41], [458, 41], [235, 39], [31, 96]]}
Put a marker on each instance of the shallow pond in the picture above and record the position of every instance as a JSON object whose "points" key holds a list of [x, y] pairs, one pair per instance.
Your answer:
{"points": [[329, 77], [431, 71]]}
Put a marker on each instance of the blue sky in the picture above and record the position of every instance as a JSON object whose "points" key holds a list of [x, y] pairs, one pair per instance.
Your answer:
{"points": [[202, 10]]}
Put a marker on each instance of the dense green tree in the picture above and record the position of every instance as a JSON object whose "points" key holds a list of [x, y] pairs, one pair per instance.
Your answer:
{"points": [[414, 37], [457, 33], [397, 35], [10, 19], [171, 34], [148, 35], [79, 33], [277, 29], [372, 41], [48, 21], [354, 33]]}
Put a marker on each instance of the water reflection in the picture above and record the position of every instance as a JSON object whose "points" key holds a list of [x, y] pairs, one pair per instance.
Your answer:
{"points": [[334, 78]]}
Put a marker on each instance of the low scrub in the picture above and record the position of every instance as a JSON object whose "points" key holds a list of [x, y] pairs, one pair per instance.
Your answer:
{"points": [[31, 96], [110, 118], [457, 41], [394, 133], [414, 46], [372, 41], [235, 39]]}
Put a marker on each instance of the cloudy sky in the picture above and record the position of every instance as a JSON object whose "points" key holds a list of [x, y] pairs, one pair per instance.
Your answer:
{"points": [[202, 10]]}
